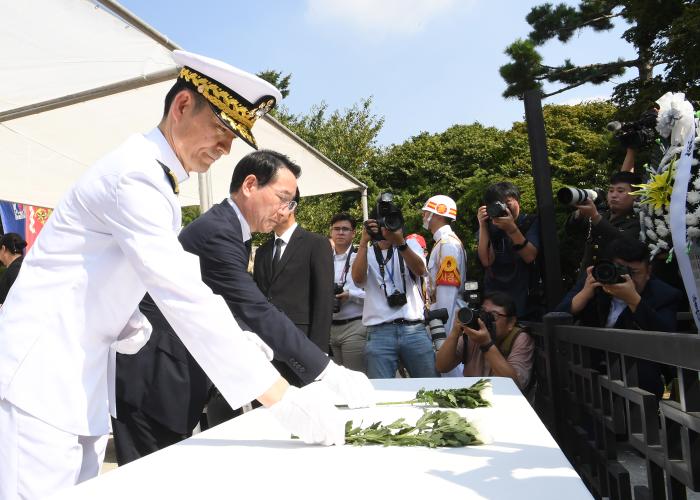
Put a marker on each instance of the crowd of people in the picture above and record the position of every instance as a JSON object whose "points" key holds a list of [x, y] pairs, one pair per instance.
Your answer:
{"points": [[174, 311]]}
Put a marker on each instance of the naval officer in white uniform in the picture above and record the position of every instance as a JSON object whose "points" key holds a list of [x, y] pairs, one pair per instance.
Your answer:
{"points": [[112, 238]]}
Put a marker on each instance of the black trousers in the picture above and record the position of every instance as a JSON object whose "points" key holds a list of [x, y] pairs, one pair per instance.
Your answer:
{"points": [[137, 435]]}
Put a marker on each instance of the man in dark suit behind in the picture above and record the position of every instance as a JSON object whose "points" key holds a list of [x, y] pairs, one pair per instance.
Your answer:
{"points": [[640, 302], [294, 270], [161, 391]]}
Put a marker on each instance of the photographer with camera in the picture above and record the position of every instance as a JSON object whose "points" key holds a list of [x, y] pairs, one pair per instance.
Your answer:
{"points": [[508, 243], [447, 265], [619, 221], [393, 309], [621, 293], [495, 344], [348, 334]]}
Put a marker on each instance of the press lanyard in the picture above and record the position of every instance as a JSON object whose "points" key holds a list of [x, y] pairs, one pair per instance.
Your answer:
{"points": [[383, 262]]}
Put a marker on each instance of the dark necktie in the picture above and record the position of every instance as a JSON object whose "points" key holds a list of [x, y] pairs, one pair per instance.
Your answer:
{"points": [[278, 254]]}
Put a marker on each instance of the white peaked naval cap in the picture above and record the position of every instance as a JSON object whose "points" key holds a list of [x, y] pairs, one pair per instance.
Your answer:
{"points": [[441, 205], [237, 97]]}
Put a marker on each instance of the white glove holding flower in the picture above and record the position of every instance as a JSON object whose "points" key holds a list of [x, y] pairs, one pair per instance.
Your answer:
{"points": [[310, 414], [353, 387]]}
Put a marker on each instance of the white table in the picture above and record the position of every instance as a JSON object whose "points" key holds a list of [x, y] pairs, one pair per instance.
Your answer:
{"points": [[253, 457]]}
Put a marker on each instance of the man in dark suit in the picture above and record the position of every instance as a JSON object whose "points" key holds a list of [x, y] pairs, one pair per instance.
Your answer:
{"points": [[639, 302], [161, 391], [294, 270]]}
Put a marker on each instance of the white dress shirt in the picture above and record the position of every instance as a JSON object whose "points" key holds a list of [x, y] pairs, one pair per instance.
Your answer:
{"points": [[376, 309], [285, 236], [352, 307], [112, 238]]}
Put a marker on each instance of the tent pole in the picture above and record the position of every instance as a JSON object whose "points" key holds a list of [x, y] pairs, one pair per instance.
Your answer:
{"points": [[88, 95], [135, 21], [204, 191], [365, 213]]}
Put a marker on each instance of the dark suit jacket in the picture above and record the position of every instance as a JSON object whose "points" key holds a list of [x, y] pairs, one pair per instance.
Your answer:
{"points": [[162, 379], [656, 312], [302, 285]]}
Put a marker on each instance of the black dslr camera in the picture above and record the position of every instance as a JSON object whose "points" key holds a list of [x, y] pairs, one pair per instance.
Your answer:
{"points": [[468, 315], [396, 299], [337, 288], [609, 273], [637, 134], [388, 215], [496, 209], [435, 321]]}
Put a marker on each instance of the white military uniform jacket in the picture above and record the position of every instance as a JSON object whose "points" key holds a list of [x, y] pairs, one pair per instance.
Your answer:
{"points": [[112, 238], [447, 245]]}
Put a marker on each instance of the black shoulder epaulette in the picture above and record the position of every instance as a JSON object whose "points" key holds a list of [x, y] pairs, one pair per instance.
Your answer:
{"points": [[171, 178]]}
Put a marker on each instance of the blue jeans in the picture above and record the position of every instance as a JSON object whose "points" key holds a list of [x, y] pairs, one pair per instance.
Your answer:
{"points": [[387, 343]]}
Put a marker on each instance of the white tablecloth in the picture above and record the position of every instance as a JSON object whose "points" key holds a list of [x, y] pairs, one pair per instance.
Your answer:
{"points": [[253, 457]]}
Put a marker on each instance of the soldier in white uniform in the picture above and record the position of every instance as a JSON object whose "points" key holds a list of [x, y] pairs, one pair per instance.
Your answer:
{"points": [[447, 265], [112, 238]]}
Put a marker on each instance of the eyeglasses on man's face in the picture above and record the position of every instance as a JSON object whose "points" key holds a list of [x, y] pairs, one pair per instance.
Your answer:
{"points": [[341, 229], [285, 202]]}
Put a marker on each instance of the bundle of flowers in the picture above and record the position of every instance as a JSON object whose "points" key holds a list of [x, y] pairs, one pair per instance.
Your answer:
{"points": [[675, 119]]}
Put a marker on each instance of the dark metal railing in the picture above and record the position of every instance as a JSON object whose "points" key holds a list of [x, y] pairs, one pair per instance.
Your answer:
{"points": [[589, 396]]}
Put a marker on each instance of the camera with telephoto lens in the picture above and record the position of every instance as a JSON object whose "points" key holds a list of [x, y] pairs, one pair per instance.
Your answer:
{"points": [[396, 299], [576, 196], [469, 316], [636, 134], [609, 273], [435, 321], [337, 289], [388, 215], [496, 209]]}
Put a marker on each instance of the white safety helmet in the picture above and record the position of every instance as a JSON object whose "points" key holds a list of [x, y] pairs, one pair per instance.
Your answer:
{"points": [[441, 205]]}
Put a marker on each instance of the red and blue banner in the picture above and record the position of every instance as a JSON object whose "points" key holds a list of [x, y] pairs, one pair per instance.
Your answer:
{"points": [[25, 220]]}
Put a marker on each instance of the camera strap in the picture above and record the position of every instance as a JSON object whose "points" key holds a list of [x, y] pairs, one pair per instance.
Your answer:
{"points": [[346, 268], [382, 262]]}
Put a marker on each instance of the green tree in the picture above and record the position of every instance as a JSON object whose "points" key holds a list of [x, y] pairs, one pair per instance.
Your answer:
{"points": [[465, 159], [663, 34], [278, 80], [349, 139]]}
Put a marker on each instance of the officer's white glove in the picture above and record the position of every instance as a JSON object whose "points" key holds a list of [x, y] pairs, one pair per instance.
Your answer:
{"points": [[259, 343], [353, 387], [310, 414]]}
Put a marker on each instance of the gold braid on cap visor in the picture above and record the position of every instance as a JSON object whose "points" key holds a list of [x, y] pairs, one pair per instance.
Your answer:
{"points": [[235, 111]]}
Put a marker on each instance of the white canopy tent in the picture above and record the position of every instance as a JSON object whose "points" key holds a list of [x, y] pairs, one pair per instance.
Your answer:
{"points": [[80, 76]]}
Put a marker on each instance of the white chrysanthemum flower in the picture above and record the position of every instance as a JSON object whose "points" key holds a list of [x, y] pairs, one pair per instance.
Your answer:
{"points": [[659, 212], [667, 219], [693, 197], [696, 182], [663, 245], [662, 231], [693, 233], [691, 220], [487, 392], [651, 235], [648, 222]]}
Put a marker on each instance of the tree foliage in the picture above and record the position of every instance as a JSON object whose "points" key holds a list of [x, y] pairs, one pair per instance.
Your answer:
{"points": [[278, 80], [349, 139], [663, 34], [464, 160]]}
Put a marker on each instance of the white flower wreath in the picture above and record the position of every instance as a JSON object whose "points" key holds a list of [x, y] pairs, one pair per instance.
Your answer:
{"points": [[674, 120]]}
